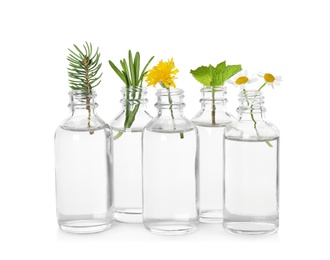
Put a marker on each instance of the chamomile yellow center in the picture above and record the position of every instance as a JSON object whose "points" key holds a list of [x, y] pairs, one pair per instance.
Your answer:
{"points": [[269, 77], [241, 80]]}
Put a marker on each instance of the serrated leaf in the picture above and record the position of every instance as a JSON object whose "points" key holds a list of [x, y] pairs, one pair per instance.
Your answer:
{"points": [[221, 66], [203, 75], [215, 76]]}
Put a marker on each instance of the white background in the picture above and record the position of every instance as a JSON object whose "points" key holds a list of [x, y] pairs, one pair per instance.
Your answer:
{"points": [[287, 38]]}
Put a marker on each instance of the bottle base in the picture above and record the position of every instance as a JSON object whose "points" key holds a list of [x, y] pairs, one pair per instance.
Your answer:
{"points": [[251, 228], [211, 216], [133, 216], [84, 226], [171, 228]]}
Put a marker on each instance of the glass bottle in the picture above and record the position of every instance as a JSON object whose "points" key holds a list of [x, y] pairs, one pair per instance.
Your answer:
{"points": [[127, 128], [83, 157], [251, 198], [170, 161], [211, 121]]}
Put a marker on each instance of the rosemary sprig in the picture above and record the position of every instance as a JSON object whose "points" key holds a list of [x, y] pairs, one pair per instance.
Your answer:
{"points": [[83, 72], [132, 77]]}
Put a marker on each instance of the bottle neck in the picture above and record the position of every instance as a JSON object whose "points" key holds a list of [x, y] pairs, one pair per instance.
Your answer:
{"points": [[170, 102], [251, 105], [82, 103], [214, 98], [134, 97]]}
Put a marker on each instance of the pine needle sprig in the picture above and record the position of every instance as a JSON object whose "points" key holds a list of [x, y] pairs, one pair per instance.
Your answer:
{"points": [[84, 68], [83, 74]]}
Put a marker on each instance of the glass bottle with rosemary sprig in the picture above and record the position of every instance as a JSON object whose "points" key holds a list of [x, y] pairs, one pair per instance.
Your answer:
{"points": [[83, 152], [251, 198], [170, 160], [211, 121], [127, 127]]}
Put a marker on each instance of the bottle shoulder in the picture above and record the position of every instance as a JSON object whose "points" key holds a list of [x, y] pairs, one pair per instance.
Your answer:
{"points": [[219, 118], [83, 123], [250, 130], [168, 124], [136, 120]]}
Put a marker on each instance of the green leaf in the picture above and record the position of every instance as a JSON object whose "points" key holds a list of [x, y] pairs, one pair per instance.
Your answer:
{"points": [[231, 70], [118, 72], [221, 66], [203, 75], [137, 67], [144, 70], [131, 68], [127, 73], [215, 76]]}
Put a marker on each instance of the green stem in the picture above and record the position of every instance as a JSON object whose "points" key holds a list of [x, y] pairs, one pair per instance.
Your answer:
{"points": [[172, 115], [262, 86], [130, 115], [255, 122], [213, 107]]}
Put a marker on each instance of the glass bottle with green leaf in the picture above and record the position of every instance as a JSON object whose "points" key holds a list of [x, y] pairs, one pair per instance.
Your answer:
{"points": [[127, 127], [211, 121], [83, 152]]}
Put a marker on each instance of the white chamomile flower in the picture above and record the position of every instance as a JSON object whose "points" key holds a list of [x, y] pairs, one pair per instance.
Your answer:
{"points": [[241, 78], [270, 79]]}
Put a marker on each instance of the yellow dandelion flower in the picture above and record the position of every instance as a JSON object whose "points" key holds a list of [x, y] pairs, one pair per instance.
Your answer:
{"points": [[164, 74]]}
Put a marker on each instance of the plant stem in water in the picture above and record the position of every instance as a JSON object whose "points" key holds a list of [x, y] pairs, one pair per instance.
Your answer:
{"points": [[213, 107], [130, 115], [172, 115], [88, 107]]}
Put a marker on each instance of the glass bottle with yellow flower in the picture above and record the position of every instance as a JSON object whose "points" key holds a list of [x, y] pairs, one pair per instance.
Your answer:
{"points": [[127, 127], [170, 160], [251, 166], [211, 121]]}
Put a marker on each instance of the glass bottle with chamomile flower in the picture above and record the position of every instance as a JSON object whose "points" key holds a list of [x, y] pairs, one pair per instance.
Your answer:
{"points": [[127, 127], [211, 121], [170, 160], [83, 152], [251, 167]]}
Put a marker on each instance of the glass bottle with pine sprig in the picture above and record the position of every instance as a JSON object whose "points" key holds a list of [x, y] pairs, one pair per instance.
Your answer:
{"points": [[127, 127], [211, 121], [83, 152]]}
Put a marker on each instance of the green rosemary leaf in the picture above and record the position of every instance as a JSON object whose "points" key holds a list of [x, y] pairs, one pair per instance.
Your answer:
{"points": [[127, 73], [137, 67], [121, 75], [131, 68], [144, 70]]}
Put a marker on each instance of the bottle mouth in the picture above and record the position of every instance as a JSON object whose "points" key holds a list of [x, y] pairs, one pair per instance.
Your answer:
{"points": [[82, 94], [213, 94], [172, 91], [135, 89], [170, 98], [251, 100], [81, 98], [222, 89], [134, 95]]}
